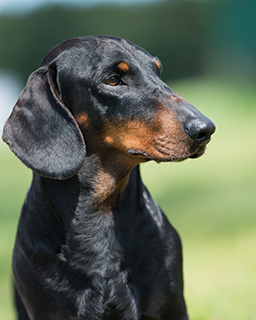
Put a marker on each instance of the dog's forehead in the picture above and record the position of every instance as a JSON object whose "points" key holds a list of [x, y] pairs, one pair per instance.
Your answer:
{"points": [[124, 47], [98, 48], [115, 50], [126, 55]]}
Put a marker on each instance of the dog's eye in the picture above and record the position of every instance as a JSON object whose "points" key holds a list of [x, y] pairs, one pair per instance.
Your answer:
{"points": [[113, 81]]}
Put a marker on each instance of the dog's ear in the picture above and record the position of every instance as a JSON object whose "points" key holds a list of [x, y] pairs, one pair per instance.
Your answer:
{"points": [[42, 132]]}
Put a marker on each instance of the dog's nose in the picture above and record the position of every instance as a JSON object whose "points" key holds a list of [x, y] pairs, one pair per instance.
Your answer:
{"points": [[200, 130]]}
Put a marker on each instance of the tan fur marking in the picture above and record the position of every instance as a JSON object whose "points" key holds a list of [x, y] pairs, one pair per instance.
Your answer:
{"points": [[157, 62], [82, 119], [162, 140], [123, 66], [131, 135], [111, 178]]}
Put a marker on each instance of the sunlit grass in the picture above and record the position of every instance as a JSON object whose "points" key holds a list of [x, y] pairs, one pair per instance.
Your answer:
{"points": [[15, 179], [211, 201]]}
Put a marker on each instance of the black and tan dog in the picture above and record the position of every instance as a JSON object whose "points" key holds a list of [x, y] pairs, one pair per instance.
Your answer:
{"points": [[91, 243]]}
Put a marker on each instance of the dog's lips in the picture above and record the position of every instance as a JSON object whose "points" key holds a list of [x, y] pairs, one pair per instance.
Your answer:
{"points": [[200, 150], [144, 156], [164, 152], [198, 153]]}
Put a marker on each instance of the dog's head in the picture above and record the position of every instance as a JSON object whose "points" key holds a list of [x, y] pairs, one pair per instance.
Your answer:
{"points": [[104, 93]]}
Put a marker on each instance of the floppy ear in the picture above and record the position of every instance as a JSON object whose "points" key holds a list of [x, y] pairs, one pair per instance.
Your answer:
{"points": [[42, 132]]}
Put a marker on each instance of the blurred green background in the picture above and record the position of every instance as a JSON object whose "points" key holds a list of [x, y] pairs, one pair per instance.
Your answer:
{"points": [[208, 50]]}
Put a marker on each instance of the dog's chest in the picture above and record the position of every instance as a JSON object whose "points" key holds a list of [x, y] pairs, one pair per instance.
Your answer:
{"points": [[115, 273]]}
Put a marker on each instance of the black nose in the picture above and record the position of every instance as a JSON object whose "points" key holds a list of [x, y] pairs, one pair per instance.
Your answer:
{"points": [[200, 130]]}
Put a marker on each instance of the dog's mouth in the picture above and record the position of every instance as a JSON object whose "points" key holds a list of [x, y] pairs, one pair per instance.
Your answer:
{"points": [[198, 153], [168, 155], [140, 154]]}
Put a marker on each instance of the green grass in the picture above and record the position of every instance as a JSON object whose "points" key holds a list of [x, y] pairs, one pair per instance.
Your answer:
{"points": [[211, 201], [15, 179]]}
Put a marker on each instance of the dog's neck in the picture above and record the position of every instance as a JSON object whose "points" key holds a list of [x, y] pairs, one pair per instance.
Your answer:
{"points": [[76, 208], [105, 176], [98, 186]]}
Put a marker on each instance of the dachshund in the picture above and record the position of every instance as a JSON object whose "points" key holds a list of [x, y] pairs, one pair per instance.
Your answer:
{"points": [[91, 242]]}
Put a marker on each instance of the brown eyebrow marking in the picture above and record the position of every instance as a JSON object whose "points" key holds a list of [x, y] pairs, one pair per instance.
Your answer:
{"points": [[123, 66], [158, 64]]}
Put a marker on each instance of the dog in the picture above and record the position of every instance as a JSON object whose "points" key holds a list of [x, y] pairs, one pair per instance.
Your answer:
{"points": [[91, 242]]}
